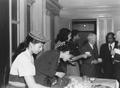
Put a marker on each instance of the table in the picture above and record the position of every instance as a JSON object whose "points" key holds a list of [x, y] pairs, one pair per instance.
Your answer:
{"points": [[79, 82], [112, 83]]}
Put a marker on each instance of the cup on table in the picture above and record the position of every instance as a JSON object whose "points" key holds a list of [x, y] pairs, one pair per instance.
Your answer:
{"points": [[85, 78], [92, 79]]}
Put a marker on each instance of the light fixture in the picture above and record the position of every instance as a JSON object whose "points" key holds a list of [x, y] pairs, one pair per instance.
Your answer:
{"points": [[84, 25]]}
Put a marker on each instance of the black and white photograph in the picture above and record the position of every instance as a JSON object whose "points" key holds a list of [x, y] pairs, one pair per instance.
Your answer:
{"points": [[60, 44]]}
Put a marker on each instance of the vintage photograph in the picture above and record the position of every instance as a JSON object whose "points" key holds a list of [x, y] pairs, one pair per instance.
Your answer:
{"points": [[60, 44]]}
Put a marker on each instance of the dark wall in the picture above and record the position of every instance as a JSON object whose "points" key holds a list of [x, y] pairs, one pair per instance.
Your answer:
{"points": [[4, 37]]}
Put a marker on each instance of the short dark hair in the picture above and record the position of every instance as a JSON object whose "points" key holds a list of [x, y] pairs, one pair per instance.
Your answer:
{"points": [[110, 33], [62, 35], [74, 33]]}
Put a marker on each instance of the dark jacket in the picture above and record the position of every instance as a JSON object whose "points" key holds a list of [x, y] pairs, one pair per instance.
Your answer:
{"points": [[107, 60], [47, 63], [87, 68]]}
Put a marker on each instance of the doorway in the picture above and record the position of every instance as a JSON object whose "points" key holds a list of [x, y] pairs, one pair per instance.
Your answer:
{"points": [[85, 26]]}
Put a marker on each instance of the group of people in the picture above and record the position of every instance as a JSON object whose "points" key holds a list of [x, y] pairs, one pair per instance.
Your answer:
{"points": [[67, 58], [86, 59]]}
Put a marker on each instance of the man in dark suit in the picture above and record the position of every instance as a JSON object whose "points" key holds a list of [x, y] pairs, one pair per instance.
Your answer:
{"points": [[89, 66], [105, 54]]}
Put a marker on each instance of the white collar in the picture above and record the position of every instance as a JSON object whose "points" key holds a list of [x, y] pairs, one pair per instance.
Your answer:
{"points": [[91, 45], [112, 44]]}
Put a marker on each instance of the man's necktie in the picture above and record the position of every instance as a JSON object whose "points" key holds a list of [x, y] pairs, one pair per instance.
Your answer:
{"points": [[110, 47]]}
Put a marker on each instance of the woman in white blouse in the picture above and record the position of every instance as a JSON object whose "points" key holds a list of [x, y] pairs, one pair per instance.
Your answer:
{"points": [[22, 71]]}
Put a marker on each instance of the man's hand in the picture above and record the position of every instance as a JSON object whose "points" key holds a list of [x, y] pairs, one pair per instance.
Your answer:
{"points": [[99, 60], [94, 62]]}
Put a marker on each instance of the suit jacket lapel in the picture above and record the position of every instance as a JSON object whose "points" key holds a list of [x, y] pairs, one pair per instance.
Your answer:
{"points": [[89, 47]]}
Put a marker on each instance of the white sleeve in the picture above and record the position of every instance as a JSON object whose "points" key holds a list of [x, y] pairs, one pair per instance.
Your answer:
{"points": [[117, 51], [26, 67]]}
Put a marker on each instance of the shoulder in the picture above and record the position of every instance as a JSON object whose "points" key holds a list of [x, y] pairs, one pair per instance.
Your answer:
{"points": [[104, 45], [21, 60], [86, 45], [21, 56], [48, 54]]}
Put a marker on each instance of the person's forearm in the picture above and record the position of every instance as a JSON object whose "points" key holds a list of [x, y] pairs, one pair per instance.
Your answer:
{"points": [[78, 57], [29, 81]]}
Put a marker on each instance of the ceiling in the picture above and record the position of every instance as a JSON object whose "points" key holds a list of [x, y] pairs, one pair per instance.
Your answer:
{"points": [[89, 8]]}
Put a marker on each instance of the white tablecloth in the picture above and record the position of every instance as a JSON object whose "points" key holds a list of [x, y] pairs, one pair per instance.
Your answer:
{"points": [[100, 81]]}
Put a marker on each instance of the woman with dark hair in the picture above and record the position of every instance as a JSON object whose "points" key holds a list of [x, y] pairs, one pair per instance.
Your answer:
{"points": [[110, 39], [47, 65], [74, 44], [22, 71], [63, 36]]}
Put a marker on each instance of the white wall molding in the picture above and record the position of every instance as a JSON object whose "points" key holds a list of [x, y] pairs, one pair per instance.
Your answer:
{"points": [[90, 11], [30, 2], [23, 19], [53, 6]]}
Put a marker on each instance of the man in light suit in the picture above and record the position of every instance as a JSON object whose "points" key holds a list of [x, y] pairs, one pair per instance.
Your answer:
{"points": [[89, 66]]}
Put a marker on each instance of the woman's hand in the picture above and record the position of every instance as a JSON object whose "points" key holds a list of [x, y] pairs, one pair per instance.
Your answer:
{"points": [[30, 81]]}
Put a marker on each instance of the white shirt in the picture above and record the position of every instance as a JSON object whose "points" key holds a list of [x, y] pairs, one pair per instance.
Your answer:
{"points": [[91, 45], [112, 45], [23, 65]]}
